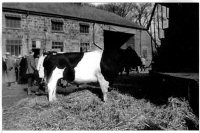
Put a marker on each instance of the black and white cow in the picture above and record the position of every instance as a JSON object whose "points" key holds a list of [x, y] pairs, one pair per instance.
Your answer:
{"points": [[97, 66]]}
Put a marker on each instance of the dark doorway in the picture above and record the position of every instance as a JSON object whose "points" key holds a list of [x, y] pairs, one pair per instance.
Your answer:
{"points": [[36, 52], [114, 40]]}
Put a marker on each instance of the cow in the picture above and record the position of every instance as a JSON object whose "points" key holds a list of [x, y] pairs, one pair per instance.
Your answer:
{"points": [[100, 66]]}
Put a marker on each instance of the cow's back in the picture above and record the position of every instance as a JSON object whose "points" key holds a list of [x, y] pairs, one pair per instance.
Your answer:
{"points": [[86, 69]]}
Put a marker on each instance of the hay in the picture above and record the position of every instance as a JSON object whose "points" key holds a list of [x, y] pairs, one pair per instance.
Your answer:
{"points": [[83, 110]]}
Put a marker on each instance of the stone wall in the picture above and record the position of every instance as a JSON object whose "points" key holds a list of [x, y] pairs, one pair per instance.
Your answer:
{"points": [[38, 28]]}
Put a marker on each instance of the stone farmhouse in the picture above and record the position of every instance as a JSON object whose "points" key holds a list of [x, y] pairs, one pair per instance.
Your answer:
{"points": [[68, 27]]}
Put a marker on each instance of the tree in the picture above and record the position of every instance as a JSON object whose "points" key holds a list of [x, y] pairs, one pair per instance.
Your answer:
{"points": [[140, 13], [136, 12]]}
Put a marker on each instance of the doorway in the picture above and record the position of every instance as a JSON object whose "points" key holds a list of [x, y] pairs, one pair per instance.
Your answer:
{"points": [[36, 52], [114, 40]]}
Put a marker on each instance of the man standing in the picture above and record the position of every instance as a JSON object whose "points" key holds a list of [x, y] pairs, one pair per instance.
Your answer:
{"points": [[31, 67], [4, 69], [143, 64], [10, 63]]}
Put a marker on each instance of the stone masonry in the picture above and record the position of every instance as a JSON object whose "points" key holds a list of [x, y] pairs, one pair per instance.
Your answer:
{"points": [[38, 28]]}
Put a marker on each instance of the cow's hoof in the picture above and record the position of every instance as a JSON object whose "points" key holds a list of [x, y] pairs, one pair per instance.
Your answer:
{"points": [[52, 99], [105, 99]]}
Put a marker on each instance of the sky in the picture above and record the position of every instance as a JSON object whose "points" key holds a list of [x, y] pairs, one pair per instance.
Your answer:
{"points": [[97, 3]]}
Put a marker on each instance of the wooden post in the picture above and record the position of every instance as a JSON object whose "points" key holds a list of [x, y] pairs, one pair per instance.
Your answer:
{"points": [[158, 22], [149, 24], [162, 15]]}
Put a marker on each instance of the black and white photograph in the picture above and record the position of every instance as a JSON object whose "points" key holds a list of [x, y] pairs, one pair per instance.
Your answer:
{"points": [[100, 66]]}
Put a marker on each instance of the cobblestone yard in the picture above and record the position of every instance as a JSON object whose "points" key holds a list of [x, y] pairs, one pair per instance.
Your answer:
{"points": [[12, 94], [16, 92]]}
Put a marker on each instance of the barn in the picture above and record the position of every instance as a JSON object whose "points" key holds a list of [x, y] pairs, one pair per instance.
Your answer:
{"points": [[177, 64], [68, 27]]}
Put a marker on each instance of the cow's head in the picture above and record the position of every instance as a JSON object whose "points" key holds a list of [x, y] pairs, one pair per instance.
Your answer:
{"points": [[131, 58]]}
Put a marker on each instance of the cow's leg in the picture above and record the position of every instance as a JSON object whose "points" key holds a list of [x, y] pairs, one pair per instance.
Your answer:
{"points": [[103, 84], [56, 74]]}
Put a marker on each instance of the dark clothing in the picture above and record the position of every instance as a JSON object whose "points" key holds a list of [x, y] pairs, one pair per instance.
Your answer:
{"points": [[16, 73], [127, 69], [4, 66], [17, 66], [4, 71], [22, 71]]}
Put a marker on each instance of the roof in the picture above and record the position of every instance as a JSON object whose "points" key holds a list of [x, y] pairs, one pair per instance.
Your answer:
{"points": [[71, 10]]}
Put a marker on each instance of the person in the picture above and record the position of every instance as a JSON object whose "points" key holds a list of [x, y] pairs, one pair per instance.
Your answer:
{"points": [[31, 67], [36, 60], [4, 69], [127, 69], [10, 63], [22, 70], [143, 63], [17, 66]]}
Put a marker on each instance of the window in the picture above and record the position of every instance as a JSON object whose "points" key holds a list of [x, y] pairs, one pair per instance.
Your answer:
{"points": [[36, 44], [33, 44], [14, 47], [84, 47], [57, 46], [57, 25], [84, 28], [13, 22]]}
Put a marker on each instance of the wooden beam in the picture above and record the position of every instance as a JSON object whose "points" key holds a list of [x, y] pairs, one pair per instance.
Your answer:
{"points": [[154, 8]]}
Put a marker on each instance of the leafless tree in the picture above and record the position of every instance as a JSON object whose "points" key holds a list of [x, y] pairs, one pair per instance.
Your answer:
{"points": [[136, 12]]}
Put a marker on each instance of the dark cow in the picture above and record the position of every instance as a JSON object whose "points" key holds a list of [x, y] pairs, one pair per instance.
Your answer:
{"points": [[97, 66]]}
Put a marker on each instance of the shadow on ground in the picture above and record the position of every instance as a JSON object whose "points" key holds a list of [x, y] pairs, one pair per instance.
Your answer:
{"points": [[137, 85]]}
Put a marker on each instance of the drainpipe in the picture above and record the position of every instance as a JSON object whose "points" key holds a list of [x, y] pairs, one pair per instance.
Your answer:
{"points": [[155, 29], [162, 16], [45, 36], [158, 22], [93, 38], [27, 31], [140, 43], [93, 35]]}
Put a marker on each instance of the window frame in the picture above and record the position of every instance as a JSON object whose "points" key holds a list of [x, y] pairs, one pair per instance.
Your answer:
{"points": [[57, 25], [12, 45], [33, 44], [61, 47], [84, 28], [13, 22], [84, 47]]}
